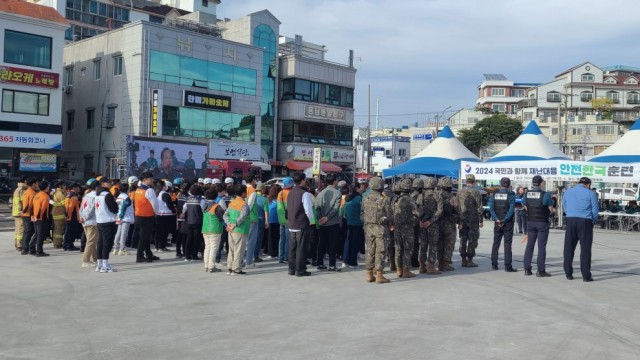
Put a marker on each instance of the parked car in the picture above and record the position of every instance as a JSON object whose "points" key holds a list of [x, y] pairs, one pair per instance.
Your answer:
{"points": [[617, 193], [278, 181]]}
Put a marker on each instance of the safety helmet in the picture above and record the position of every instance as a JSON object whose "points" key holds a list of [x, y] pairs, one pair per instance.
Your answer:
{"points": [[430, 183], [376, 183], [132, 180], [216, 181], [229, 180], [200, 180], [178, 181], [406, 184], [90, 181], [418, 184], [207, 181], [445, 183]]}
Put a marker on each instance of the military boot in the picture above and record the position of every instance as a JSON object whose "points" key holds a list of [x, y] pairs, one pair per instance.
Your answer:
{"points": [[407, 274], [447, 266], [380, 279], [370, 277], [470, 262], [399, 272], [392, 264], [431, 269], [423, 268], [465, 262], [441, 265]]}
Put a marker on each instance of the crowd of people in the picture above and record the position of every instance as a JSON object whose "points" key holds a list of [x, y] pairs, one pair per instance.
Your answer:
{"points": [[413, 223]]}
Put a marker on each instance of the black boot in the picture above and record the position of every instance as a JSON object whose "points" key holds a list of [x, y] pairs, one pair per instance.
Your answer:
{"points": [[528, 272], [509, 268]]}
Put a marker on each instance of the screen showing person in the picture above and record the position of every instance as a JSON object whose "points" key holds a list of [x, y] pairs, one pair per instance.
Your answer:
{"points": [[168, 169]]}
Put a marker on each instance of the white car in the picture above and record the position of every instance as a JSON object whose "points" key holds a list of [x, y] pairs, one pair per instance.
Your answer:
{"points": [[617, 193], [278, 181]]}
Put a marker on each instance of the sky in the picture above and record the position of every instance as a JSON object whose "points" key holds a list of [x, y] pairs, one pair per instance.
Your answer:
{"points": [[421, 57]]}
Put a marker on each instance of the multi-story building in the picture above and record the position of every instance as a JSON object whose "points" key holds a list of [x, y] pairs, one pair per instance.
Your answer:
{"points": [[177, 84], [499, 94], [465, 119], [30, 74], [315, 106], [584, 109]]}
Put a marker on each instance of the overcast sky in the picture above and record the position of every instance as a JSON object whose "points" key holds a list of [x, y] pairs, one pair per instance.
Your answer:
{"points": [[421, 56]]}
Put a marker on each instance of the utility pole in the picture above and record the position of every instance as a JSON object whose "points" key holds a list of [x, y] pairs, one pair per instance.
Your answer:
{"points": [[369, 130], [377, 113]]}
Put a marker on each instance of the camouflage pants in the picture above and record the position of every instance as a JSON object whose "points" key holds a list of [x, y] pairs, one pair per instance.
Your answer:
{"points": [[447, 240], [58, 231], [416, 245], [403, 236], [429, 243], [374, 247], [390, 245], [469, 235]]}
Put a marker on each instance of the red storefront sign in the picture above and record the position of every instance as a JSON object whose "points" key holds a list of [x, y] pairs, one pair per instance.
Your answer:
{"points": [[29, 77]]}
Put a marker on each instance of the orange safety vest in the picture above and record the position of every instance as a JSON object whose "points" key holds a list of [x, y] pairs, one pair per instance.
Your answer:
{"points": [[27, 201], [41, 205], [142, 206], [72, 205]]}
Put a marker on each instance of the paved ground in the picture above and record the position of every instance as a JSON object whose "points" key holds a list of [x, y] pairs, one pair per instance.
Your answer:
{"points": [[53, 309]]}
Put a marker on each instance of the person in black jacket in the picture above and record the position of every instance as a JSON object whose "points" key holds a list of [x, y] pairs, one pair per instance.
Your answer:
{"points": [[192, 213], [165, 217], [106, 211]]}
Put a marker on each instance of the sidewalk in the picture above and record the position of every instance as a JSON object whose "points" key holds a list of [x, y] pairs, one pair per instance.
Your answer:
{"points": [[54, 309]]}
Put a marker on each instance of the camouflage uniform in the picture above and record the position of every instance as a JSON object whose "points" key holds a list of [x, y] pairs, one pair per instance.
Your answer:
{"points": [[470, 219], [374, 216], [391, 245], [416, 195], [404, 217], [448, 222], [432, 209]]}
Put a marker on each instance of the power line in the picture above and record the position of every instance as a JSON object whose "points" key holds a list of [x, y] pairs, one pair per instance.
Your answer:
{"points": [[411, 114]]}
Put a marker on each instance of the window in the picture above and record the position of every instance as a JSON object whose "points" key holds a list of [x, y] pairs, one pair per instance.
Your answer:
{"points": [[88, 163], [554, 131], [111, 117], [117, 65], [633, 98], [348, 101], [605, 130], [576, 131], [613, 96], [96, 69], [598, 149], [553, 96], [332, 95], [610, 80], [71, 120], [316, 133], [27, 49], [501, 108], [631, 81], [587, 77], [629, 192], [155, 19], [90, 118], [21, 102], [205, 3], [586, 96], [517, 93], [402, 152], [68, 76], [497, 92]]}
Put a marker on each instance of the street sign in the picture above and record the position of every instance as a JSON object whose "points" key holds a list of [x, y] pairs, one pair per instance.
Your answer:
{"points": [[317, 160]]}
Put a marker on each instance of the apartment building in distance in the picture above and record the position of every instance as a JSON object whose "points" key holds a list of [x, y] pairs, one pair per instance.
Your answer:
{"points": [[498, 94]]}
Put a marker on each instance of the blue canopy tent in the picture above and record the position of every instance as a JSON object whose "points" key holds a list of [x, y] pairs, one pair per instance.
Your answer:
{"points": [[530, 145], [442, 157], [625, 150]]}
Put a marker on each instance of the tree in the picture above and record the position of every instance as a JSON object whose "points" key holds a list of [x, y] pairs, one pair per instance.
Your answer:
{"points": [[602, 104], [497, 128]]}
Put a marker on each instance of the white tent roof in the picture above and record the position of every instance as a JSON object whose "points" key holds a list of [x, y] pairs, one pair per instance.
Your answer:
{"points": [[626, 149], [530, 145], [446, 146]]}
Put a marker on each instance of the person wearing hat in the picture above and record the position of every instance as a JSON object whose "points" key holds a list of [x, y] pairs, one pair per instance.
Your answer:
{"points": [[282, 199], [106, 215], [470, 221], [502, 208], [216, 181], [539, 206], [145, 208], [581, 206], [229, 180]]}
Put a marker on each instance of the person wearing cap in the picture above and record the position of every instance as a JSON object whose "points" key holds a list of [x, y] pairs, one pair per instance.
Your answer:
{"points": [[88, 221], [229, 180], [106, 215], [207, 182], [28, 241], [200, 181], [470, 221], [501, 207], [581, 206], [145, 205], [216, 181], [539, 207], [282, 199]]}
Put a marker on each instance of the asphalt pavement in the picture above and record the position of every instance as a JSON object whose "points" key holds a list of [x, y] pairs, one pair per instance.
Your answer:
{"points": [[51, 308]]}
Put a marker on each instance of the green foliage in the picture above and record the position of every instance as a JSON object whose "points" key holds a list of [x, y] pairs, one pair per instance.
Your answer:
{"points": [[497, 128]]}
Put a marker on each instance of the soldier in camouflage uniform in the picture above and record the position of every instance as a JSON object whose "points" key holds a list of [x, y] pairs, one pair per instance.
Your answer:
{"points": [[374, 216], [470, 220], [432, 208], [391, 244], [405, 217], [416, 195], [448, 222]]}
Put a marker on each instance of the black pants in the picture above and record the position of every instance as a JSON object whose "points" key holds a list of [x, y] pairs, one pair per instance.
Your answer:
{"points": [[192, 245], [71, 233], [274, 240], [106, 235], [144, 228], [503, 230], [132, 237], [578, 230], [312, 242], [83, 241], [329, 239], [27, 233], [536, 230], [224, 243], [42, 231], [298, 251], [163, 229]]}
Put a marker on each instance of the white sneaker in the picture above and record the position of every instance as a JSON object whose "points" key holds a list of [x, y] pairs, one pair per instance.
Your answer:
{"points": [[103, 269], [110, 269], [344, 265], [114, 252], [85, 265], [123, 252], [98, 268]]}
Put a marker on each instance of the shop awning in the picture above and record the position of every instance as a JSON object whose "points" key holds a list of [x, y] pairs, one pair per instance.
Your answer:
{"points": [[302, 165], [261, 165]]}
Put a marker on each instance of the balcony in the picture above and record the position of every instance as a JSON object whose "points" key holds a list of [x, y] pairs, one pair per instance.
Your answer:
{"points": [[526, 103]]}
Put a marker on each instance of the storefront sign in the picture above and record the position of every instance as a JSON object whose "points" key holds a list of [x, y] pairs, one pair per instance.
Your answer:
{"points": [[324, 113], [35, 162], [554, 170], [166, 159], [206, 101], [343, 155], [222, 151], [390, 138], [15, 139], [422, 136], [156, 112], [21, 76], [317, 161], [306, 154]]}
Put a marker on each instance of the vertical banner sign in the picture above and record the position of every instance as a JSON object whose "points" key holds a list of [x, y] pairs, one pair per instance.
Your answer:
{"points": [[317, 160], [156, 112]]}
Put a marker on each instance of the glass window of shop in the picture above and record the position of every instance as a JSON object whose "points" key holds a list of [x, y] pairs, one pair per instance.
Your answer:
{"points": [[316, 133], [264, 37], [197, 123], [305, 90], [27, 49], [22, 102], [189, 71]]}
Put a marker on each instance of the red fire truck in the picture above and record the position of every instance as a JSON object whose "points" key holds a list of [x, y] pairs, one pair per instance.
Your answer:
{"points": [[236, 169]]}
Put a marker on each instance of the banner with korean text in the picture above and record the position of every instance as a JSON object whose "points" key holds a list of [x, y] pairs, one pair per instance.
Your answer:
{"points": [[554, 170]]}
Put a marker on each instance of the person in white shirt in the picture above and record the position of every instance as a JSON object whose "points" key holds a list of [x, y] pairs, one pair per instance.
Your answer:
{"points": [[106, 214], [123, 221], [300, 218]]}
